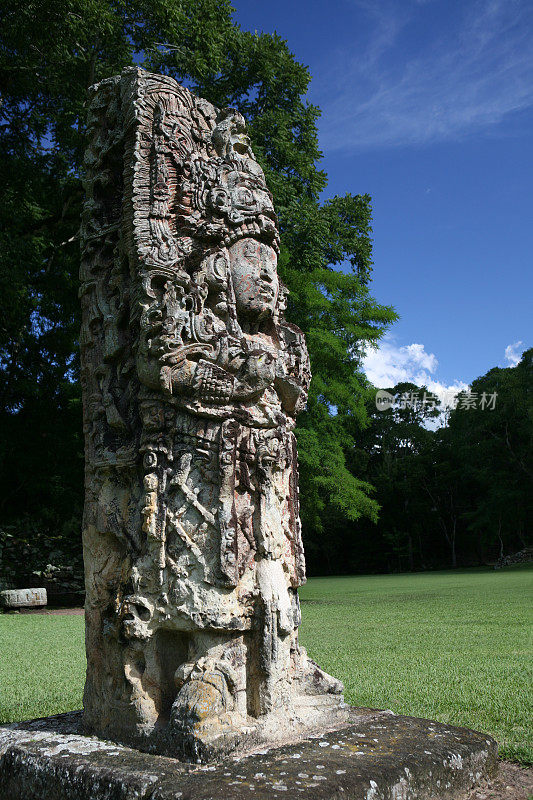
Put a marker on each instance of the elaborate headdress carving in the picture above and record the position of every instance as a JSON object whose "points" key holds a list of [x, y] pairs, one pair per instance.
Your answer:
{"points": [[192, 379]]}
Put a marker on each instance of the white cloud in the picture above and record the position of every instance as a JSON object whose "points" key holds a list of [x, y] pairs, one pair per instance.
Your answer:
{"points": [[391, 364], [429, 82], [513, 353]]}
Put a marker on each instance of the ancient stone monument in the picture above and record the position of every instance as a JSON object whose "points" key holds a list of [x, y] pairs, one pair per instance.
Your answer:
{"points": [[191, 381]]}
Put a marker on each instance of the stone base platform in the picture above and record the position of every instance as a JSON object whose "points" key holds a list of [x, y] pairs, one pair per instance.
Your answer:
{"points": [[377, 756]]}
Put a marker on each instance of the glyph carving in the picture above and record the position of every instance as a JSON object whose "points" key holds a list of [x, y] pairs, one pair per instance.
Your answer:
{"points": [[191, 380]]}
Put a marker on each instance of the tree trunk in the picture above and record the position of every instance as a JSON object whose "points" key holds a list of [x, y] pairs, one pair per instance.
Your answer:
{"points": [[410, 552], [453, 537], [480, 549], [500, 537]]}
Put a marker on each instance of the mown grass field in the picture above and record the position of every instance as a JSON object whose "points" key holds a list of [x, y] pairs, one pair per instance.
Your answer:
{"points": [[454, 646]]}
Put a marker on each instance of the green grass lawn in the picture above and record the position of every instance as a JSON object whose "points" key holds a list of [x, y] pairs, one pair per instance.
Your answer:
{"points": [[452, 646]]}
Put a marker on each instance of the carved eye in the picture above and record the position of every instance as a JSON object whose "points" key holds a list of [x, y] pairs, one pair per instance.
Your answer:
{"points": [[245, 197], [219, 198]]}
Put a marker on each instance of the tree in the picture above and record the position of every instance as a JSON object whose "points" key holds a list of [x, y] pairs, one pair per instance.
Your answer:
{"points": [[51, 51], [493, 441], [398, 442], [454, 495]]}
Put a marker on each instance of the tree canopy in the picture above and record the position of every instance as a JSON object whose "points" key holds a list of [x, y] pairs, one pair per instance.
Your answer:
{"points": [[450, 495], [51, 51]]}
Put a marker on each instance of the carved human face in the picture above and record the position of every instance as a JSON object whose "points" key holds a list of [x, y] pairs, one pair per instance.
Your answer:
{"points": [[255, 278], [230, 137], [242, 196]]}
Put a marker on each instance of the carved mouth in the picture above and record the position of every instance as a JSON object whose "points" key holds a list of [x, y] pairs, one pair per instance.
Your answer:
{"points": [[134, 610], [241, 148]]}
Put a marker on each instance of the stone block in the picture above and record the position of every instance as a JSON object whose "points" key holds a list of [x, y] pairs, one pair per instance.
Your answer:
{"points": [[377, 756], [23, 598], [192, 380]]}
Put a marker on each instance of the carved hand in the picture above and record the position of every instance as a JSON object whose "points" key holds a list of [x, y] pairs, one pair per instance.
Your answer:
{"points": [[256, 374]]}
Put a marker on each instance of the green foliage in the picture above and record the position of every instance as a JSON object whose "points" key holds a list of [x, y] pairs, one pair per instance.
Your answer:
{"points": [[396, 445], [27, 547], [493, 452], [51, 51], [456, 494]]}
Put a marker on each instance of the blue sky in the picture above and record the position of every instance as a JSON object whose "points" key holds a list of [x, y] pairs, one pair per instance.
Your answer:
{"points": [[427, 105]]}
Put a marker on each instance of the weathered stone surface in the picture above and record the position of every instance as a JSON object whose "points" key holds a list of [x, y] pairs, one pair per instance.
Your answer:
{"points": [[191, 380], [23, 598], [378, 756]]}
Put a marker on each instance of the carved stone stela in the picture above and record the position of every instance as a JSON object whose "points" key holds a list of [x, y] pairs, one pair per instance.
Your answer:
{"points": [[191, 382]]}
